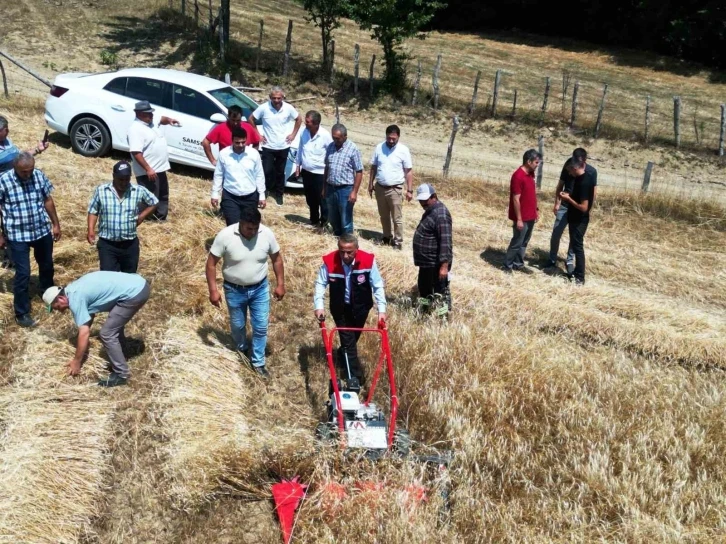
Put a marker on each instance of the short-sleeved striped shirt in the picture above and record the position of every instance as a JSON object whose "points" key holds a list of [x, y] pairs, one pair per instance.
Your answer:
{"points": [[117, 216], [23, 205], [343, 163]]}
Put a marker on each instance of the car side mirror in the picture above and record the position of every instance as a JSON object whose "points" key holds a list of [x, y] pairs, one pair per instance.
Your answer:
{"points": [[218, 118]]}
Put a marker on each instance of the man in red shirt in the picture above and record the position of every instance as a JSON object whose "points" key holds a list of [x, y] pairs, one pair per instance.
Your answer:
{"points": [[221, 134], [523, 209]]}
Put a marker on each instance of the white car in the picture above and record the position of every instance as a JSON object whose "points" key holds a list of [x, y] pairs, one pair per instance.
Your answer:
{"points": [[96, 110]]}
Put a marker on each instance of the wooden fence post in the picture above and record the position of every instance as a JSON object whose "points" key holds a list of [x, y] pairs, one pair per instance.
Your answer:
{"points": [[546, 99], [573, 117], [184, 7], [288, 46], [540, 148], [647, 118], [566, 77], [221, 35], [356, 69], [332, 62], [695, 127], [416, 84], [495, 94], [435, 81], [677, 119], [370, 76], [196, 13], [5, 89], [646, 178], [598, 123], [259, 45], [476, 90], [514, 104], [450, 149], [721, 138], [211, 17], [337, 114]]}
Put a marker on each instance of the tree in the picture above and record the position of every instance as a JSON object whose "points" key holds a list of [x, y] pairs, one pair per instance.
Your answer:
{"points": [[391, 22], [325, 14]]}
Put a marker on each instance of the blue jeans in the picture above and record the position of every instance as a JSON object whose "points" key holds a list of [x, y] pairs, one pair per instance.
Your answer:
{"points": [[340, 211], [20, 254], [257, 298], [557, 230]]}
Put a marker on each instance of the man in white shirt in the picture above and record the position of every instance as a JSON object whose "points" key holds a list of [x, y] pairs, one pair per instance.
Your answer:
{"points": [[245, 248], [391, 167], [150, 155], [238, 178], [276, 116], [314, 142]]}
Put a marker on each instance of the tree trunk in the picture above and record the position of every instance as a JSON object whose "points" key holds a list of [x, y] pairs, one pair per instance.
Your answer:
{"points": [[326, 44], [225, 21]]}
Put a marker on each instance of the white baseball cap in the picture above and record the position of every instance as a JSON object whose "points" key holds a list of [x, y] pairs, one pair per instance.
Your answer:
{"points": [[425, 191], [50, 295]]}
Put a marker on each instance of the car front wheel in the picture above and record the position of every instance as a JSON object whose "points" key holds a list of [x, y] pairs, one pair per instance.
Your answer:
{"points": [[90, 137]]}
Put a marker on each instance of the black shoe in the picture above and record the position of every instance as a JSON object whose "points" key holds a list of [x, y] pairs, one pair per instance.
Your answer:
{"points": [[26, 321], [113, 380], [397, 245], [549, 264], [570, 269], [506, 269], [262, 372], [279, 200], [523, 269], [385, 241]]}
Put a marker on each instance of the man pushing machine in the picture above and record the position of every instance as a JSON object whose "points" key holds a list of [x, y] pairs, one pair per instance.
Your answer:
{"points": [[354, 282]]}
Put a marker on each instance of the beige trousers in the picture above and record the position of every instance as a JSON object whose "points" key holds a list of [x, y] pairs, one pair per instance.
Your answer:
{"points": [[390, 200]]}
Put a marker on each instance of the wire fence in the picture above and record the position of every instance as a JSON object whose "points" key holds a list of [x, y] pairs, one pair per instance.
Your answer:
{"points": [[21, 83]]}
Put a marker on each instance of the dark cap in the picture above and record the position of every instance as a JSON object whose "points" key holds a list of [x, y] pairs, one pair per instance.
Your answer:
{"points": [[143, 106], [122, 169]]}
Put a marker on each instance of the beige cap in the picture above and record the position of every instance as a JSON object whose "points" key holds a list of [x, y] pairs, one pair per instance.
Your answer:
{"points": [[50, 295]]}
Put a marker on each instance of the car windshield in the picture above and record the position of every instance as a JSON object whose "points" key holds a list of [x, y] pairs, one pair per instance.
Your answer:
{"points": [[230, 96]]}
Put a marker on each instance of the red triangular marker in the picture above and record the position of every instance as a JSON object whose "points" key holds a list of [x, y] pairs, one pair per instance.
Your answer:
{"points": [[287, 495]]}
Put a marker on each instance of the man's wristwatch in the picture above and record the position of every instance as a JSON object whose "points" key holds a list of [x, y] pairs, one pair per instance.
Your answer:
{"points": [[409, 191]]}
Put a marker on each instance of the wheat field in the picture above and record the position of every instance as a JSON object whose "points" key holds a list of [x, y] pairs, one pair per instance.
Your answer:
{"points": [[574, 414]]}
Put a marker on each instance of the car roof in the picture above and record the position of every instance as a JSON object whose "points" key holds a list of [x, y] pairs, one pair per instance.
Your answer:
{"points": [[202, 83]]}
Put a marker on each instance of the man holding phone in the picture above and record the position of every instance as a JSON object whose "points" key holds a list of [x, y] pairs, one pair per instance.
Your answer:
{"points": [[579, 204], [150, 155], [566, 184]]}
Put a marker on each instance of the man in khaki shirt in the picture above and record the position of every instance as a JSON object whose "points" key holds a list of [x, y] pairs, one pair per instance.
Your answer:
{"points": [[245, 247]]}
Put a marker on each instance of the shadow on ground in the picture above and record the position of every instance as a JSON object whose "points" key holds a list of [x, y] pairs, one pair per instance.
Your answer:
{"points": [[167, 38]]}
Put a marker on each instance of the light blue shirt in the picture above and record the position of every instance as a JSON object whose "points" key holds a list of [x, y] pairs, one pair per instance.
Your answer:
{"points": [[321, 283], [99, 292]]}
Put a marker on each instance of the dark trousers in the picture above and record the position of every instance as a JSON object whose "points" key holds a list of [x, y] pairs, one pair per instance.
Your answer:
{"points": [[160, 189], [232, 205], [429, 286], [518, 245], [273, 163], [313, 184], [20, 254], [578, 228], [349, 343], [121, 256]]}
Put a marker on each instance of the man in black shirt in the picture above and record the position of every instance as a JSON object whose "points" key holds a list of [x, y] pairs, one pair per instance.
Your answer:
{"points": [[566, 184], [579, 203]]}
